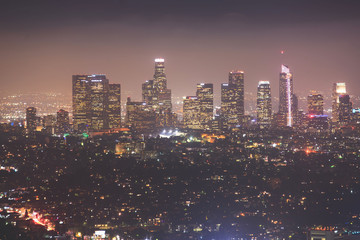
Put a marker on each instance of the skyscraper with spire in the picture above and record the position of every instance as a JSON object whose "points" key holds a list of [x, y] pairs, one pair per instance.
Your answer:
{"points": [[286, 98]]}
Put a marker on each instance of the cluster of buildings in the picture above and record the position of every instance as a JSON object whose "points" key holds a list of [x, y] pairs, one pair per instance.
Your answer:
{"points": [[97, 107], [50, 124], [232, 115]]}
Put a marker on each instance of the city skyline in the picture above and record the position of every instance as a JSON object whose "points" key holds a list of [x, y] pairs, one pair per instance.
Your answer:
{"points": [[173, 120], [319, 43]]}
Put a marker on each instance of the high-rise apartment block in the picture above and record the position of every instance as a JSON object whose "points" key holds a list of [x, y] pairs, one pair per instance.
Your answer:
{"points": [[264, 108], [96, 103]]}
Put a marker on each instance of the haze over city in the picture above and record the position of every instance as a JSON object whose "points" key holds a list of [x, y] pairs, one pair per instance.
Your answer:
{"points": [[175, 120], [44, 44]]}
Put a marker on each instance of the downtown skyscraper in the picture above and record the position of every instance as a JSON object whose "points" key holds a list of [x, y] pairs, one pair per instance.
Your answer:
{"points": [[155, 110], [338, 90], [263, 106], [155, 91], [205, 96], [286, 97], [315, 103], [345, 110], [96, 103], [191, 112], [198, 110], [232, 100], [31, 121]]}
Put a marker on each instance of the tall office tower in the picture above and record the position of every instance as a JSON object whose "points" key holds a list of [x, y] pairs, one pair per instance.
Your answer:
{"points": [[315, 102], [157, 96], [31, 120], [140, 116], [236, 81], [264, 109], [95, 102], [228, 113], [99, 93], [344, 110], [232, 100], [114, 106], [191, 113], [62, 121], [81, 102], [149, 93], [163, 94], [160, 76], [338, 89], [286, 102], [205, 96]]}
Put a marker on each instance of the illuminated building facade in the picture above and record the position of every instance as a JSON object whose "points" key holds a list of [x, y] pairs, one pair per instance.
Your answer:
{"points": [[338, 89], [81, 102], [286, 107], [140, 116], [96, 103], [62, 122], [99, 92], [228, 112], [191, 113], [31, 120], [160, 81], [232, 100], [345, 110], [166, 118], [149, 92], [205, 96], [236, 81], [263, 107], [155, 92], [114, 106], [156, 95], [315, 102]]}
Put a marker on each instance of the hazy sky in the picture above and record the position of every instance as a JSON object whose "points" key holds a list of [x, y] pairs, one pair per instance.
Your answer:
{"points": [[43, 43]]}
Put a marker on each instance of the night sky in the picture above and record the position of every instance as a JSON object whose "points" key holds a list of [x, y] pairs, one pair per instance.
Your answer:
{"points": [[43, 43]]}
